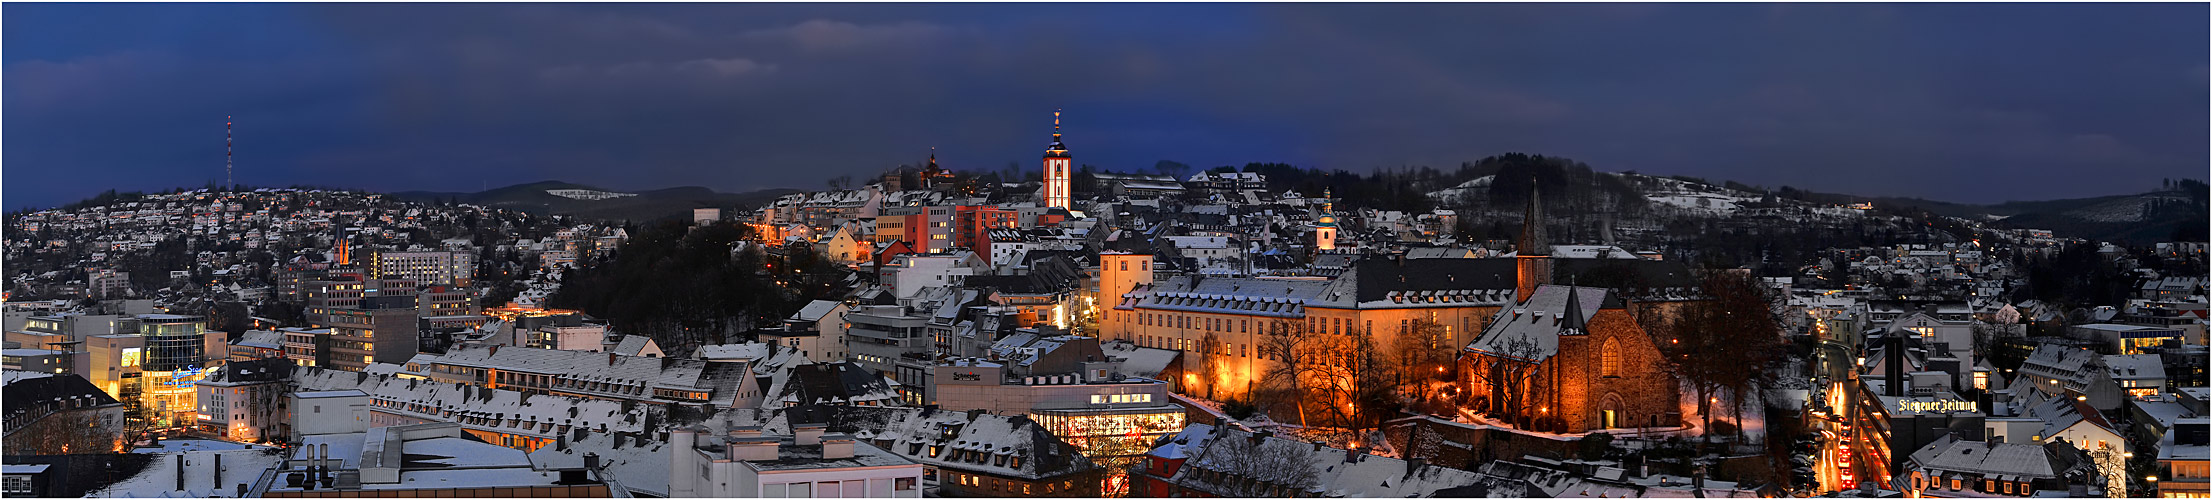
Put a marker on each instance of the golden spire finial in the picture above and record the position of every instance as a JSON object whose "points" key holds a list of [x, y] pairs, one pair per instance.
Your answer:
{"points": [[1056, 121]]}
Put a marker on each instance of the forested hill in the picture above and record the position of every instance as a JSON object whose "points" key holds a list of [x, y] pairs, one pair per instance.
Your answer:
{"points": [[2175, 210], [540, 197]]}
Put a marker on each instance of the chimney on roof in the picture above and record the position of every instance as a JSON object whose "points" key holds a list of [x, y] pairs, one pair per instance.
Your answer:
{"points": [[807, 434], [610, 359], [837, 446]]}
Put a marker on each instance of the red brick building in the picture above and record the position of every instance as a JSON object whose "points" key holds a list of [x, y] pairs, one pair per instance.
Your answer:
{"points": [[1570, 359], [972, 227]]}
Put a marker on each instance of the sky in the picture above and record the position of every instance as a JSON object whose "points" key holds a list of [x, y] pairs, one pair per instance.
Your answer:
{"points": [[1977, 103]]}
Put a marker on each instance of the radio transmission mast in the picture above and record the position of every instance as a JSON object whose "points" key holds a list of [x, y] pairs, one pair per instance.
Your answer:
{"points": [[228, 183]]}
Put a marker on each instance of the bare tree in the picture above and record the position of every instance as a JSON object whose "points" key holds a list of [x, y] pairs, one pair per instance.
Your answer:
{"points": [[1418, 355], [1274, 462], [1511, 373], [1282, 344], [2111, 464], [1349, 375], [1725, 342], [69, 432], [1212, 365]]}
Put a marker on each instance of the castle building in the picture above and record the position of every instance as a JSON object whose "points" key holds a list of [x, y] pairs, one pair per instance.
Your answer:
{"points": [[1056, 168]]}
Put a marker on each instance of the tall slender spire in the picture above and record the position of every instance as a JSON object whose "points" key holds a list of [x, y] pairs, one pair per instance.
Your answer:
{"points": [[1532, 224], [1057, 149]]}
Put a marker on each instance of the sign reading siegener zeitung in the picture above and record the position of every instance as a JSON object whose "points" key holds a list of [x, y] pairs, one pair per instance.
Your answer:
{"points": [[1937, 406]]}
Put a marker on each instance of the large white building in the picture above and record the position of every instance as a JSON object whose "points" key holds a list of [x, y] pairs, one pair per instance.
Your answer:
{"points": [[742, 462], [428, 268]]}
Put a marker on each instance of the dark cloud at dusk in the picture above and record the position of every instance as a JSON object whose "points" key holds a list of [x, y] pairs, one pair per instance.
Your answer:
{"points": [[1963, 102]]}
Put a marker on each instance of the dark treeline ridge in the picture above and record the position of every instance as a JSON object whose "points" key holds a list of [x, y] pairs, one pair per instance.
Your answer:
{"points": [[683, 285], [1567, 184]]}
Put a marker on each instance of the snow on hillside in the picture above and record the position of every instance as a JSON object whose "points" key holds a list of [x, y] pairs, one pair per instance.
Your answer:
{"points": [[1689, 197], [1668, 197], [1464, 192], [2129, 209]]}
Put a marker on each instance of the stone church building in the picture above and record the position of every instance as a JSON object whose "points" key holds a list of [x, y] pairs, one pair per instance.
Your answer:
{"points": [[1570, 359]]}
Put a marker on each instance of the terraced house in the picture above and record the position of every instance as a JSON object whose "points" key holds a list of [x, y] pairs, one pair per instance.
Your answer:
{"points": [[507, 418], [592, 375]]}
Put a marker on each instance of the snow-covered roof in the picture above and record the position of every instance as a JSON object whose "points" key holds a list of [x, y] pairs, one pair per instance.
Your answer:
{"points": [[640, 467], [184, 445], [814, 310], [1140, 361], [2024, 460], [733, 352], [476, 407], [2136, 367], [998, 445], [1538, 321], [616, 371], [1332, 472], [159, 478], [632, 345], [2059, 414], [262, 339]]}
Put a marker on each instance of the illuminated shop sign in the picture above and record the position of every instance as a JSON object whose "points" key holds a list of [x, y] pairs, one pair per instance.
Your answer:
{"points": [[183, 379], [1938, 406]]}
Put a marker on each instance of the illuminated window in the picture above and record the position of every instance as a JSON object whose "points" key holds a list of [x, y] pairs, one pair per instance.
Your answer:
{"points": [[1610, 359]]}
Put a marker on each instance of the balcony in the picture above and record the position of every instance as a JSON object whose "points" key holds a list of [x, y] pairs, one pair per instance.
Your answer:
{"points": [[878, 338], [886, 318]]}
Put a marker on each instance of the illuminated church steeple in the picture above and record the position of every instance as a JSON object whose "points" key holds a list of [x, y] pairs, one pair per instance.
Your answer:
{"points": [[1324, 226], [1532, 261], [931, 172], [1055, 192]]}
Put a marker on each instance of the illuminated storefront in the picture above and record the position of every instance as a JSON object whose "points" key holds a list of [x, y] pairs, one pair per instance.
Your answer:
{"points": [[1116, 438], [161, 394]]}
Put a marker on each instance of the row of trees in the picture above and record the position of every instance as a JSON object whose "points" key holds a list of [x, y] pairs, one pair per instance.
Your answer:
{"points": [[1724, 349], [1731, 343], [1351, 381]]}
